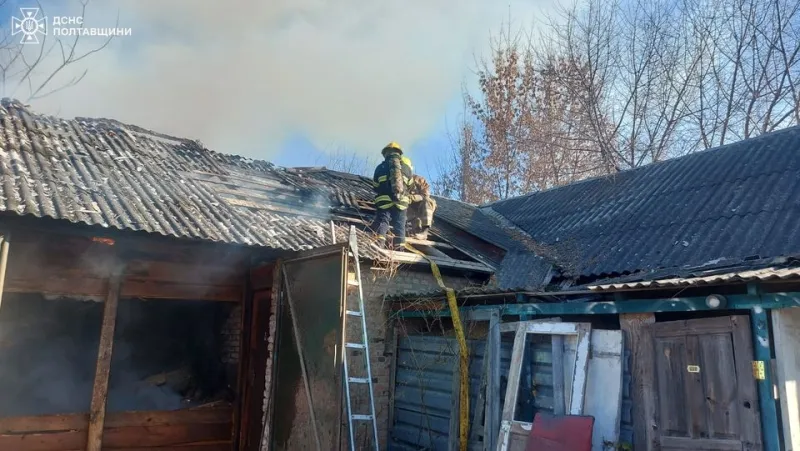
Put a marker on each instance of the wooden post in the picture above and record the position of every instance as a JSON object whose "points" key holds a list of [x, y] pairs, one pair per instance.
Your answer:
{"points": [[559, 398], [97, 412], [642, 388], [480, 405], [766, 400], [492, 423]]}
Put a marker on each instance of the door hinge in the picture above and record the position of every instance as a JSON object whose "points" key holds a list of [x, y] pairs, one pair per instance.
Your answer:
{"points": [[759, 371]]}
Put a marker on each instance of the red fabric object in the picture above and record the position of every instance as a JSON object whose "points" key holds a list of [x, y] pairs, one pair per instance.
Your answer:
{"points": [[560, 433]]}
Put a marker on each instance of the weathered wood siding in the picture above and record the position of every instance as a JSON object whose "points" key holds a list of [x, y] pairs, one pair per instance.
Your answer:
{"points": [[424, 383], [79, 265], [75, 265], [202, 429]]}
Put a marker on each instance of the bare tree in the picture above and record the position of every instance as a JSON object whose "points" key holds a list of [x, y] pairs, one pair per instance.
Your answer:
{"points": [[457, 172], [609, 86], [525, 129], [675, 77], [30, 72]]}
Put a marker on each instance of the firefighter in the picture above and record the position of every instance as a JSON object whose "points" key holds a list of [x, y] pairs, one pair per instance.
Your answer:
{"points": [[392, 182], [420, 209]]}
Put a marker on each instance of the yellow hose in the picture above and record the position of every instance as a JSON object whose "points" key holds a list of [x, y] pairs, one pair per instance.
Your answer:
{"points": [[463, 424]]}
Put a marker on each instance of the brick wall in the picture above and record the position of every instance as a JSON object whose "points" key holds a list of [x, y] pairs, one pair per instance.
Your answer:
{"points": [[268, 382], [378, 283], [231, 346]]}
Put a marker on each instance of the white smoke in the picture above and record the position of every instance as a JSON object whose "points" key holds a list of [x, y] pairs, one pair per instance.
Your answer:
{"points": [[242, 76]]}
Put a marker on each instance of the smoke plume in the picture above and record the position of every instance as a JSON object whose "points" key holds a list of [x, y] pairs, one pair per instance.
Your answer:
{"points": [[243, 76]]}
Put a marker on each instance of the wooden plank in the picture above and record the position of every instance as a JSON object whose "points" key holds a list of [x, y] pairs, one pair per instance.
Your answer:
{"points": [[163, 290], [640, 343], [786, 333], [51, 441], [559, 398], [97, 412], [695, 444], [408, 257], [492, 417], [455, 401], [749, 393], [54, 284], [183, 273], [578, 389], [429, 243], [480, 405], [144, 436], [512, 390], [208, 446], [169, 436], [514, 375], [80, 421], [721, 325]]}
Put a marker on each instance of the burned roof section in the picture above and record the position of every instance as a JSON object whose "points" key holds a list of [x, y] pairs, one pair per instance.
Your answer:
{"points": [[105, 173], [738, 202]]}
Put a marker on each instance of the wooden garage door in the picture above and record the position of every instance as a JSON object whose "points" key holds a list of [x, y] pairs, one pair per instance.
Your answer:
{"points": [[705, 393]]}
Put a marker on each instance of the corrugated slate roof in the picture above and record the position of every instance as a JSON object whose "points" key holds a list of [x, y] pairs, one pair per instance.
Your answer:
{"points": [[772, 273], [737, 202], [468, 217], [102, 172], [523, 264]]}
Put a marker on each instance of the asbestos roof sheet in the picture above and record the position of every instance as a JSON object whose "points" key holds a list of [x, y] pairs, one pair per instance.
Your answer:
{"points": [[705, 278], [522, 264], [469, 217], [737, 202], [105, 173]]}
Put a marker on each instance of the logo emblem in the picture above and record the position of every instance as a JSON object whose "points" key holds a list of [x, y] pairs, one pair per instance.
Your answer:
{"points": [[30, 25]]}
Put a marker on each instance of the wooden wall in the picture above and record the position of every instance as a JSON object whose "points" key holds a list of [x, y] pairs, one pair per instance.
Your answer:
{"points": [[154, 268], [83, 265], [202, 429]]}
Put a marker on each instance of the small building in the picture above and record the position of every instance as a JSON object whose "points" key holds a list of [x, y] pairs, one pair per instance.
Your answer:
{"points": [[157, 294], [145, 284], [694, 259]]}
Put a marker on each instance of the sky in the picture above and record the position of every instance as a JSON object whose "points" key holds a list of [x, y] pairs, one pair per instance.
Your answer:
{"points": [[281, 80]]}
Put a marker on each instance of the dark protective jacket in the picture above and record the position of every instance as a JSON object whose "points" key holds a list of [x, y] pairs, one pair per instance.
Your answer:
{"points": [[392, 180]]}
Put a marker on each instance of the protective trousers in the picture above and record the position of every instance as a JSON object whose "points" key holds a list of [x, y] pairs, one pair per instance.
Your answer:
{"points": [[394, 217]]}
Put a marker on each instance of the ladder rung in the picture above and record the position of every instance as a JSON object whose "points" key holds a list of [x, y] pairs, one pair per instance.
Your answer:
{"points": [[354, 313], [358, 380], [352, 282], [359, 417], [355, 345]]}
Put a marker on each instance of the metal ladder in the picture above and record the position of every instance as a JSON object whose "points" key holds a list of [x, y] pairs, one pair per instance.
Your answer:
{"points": [[361, 344]]}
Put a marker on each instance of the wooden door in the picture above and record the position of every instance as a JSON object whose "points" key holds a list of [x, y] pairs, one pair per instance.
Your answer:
{"points": [[705, 395]]}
